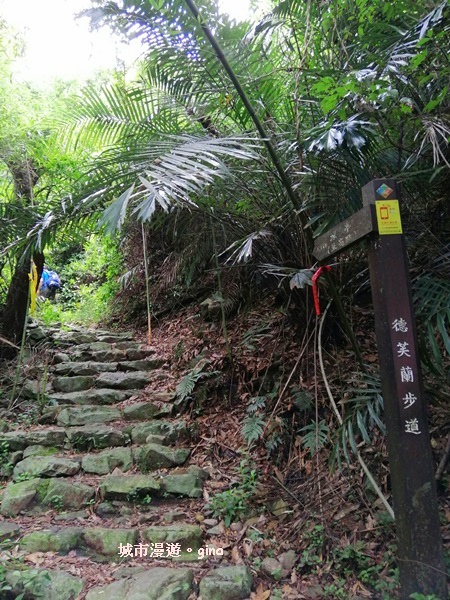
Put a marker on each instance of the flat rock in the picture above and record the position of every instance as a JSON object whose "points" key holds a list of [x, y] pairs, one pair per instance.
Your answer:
{"points": [[89, 437], [19, 439], [75, 337], [86, 415], [39, 450], [123, 381], [84, 368], [139, 353], [182, 484], [154, 584], [46, 466], [127, 487], [140, 365], [52, 540], [60, 357], [40, 583], [273, 568], [108, 460], [72, 496], [226, 583], [156, 456], [113, 338], [187, 536], [9, 530], [172, 432], [18, 497], [113, 355], [94, 396], [73, 384], [107, 541], [145, 410]]}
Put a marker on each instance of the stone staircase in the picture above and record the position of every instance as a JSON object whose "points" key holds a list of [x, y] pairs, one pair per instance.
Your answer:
{"points": [[107, 469]]}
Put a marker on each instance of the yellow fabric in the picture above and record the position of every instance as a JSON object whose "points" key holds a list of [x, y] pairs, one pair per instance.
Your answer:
{"points": [[33, 287]]}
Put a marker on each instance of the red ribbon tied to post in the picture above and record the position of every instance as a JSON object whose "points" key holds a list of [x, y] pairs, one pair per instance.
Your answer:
{"points": [[315, 289]]}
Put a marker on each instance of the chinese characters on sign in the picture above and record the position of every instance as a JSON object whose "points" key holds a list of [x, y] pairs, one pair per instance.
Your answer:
{"points": [[406, 374]]}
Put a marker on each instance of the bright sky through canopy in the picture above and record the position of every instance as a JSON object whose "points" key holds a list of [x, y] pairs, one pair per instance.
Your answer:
{"points": [[59, 45]]}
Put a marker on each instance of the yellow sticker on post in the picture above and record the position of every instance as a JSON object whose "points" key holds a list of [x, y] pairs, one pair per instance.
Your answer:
{"points": [[388, 217]]}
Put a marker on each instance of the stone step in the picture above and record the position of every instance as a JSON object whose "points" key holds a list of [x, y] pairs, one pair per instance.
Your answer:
{"points": [[88, 397], [112, 354], [89, 337], [66, 415], [116, 381], [138, 583], [70, 369], [97, 436], [223, 583], [180, 541], [37, 461], [39, 494]]}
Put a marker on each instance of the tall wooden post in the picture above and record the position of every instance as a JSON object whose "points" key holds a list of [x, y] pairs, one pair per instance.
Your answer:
{"points": [[420, 554]]}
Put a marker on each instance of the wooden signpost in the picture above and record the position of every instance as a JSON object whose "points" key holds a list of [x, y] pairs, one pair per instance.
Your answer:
{"points": [[420, 554]]}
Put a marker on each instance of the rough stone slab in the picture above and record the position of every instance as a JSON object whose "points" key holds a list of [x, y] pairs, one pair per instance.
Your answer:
{"points": [[90, 437], [154, 584], [135, 346], [46, 466], [71, 369], [105, 462], [18, 497], [51, 585], [73, 384], [140, 365], [9, 530], [226, 583], [93, 346], [139, 353], [112, 355], [113, 338], [123, 381], [188, 536], [60, 357], [95, 396], [145, 410], [156, 456], [128, 487], [56, 539], [86, 415], [172, 432], [70, 495], [107, 541], [20, 439], [182, 485], [39, 451], [75, 337]]}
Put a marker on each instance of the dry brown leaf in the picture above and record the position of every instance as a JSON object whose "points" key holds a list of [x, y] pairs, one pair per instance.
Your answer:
{"points": [[35, 557], [261, 593], [235, 556], [248, 547]]}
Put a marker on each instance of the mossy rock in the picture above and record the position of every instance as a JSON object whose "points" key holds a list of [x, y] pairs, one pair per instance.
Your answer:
{"points": [[226, 583], [107, 541], [52, 540]]}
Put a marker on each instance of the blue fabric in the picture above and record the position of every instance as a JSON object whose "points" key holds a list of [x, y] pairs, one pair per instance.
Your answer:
{"points": [[50, 279]]}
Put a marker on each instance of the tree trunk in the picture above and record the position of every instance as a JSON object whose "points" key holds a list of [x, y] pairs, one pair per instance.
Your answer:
{"points": [[16, 305]]}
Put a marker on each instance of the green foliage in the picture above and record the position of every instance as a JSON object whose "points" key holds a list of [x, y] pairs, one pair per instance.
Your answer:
{"points": [[6, 466], [89, 284], [56, 502], [253, 428], [233, 504], [315, 436], [185, 388]]}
